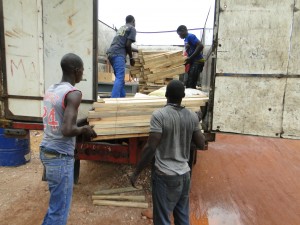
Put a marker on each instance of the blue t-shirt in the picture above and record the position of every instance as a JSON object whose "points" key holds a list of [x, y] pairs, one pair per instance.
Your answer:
{"points": [[190, 43], [117, 47]]}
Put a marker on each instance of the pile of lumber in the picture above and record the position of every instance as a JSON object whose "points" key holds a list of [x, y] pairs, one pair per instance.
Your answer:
{"points": [[116, 197], [153, 68], [115, 118]]}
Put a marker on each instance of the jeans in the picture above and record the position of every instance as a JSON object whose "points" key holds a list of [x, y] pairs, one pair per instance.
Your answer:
{"points": [[193, 76], [170, 194], [118, 63], [60, 176]]}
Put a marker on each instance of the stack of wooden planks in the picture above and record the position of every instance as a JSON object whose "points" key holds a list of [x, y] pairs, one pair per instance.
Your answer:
{"points": [[153, 68], [117, 197], [115, 118]]}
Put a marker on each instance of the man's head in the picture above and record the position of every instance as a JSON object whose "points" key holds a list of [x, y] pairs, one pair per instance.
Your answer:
{"points": [[182, 31], [175, 91], [130, 19], [72, 65]]}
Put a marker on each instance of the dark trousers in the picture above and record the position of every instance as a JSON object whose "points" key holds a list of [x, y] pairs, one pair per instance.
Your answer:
{"points": [[170, 194], [193, 75]]}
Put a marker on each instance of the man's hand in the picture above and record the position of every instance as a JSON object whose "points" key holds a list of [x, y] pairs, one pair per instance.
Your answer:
{"points": [[199, 115], [133, 178], [132, 61], [82, 122], [187, 61], [88, 131]]}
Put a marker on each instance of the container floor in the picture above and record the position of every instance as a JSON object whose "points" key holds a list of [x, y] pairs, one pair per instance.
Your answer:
{"points": [[247, 180]]}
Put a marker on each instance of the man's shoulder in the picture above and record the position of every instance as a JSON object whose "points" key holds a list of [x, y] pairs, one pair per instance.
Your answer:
{"points": [[127, 27], [157, 111], [130, 26], [191, 37]]}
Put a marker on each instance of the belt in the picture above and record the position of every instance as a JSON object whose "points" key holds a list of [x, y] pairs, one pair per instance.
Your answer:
{"points": [[53, 153], [158, 172]]}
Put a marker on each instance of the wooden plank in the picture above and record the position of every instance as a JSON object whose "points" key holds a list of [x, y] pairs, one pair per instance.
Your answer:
{"points": [[117, 121], [162, 57], [105, 77], [148, 56], [170, 74], [119, 136], [127, 118], [148, 99], [166, 73], [145, 102], [121, 204], [120, 113], [100, 125], [137, 198], [122, 130], [140, 107], [166, 63], [117, 190]]}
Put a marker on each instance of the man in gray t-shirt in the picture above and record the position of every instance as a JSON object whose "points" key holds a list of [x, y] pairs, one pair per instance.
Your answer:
{"points": [[119, 48], [172, 128]]}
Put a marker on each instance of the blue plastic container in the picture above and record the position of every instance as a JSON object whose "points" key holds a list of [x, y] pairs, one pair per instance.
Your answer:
{"points": [[14, 151]]}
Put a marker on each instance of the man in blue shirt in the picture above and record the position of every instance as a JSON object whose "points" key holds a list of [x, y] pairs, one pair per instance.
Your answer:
{"points": [[194, 49], [119, 48]]}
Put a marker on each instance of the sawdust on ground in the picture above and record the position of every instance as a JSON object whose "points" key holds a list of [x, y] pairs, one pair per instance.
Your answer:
{"points": [[24, 197]]}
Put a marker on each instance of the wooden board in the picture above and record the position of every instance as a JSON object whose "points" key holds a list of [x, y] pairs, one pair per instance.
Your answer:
{"points": [[119, 136], [122, 204]]}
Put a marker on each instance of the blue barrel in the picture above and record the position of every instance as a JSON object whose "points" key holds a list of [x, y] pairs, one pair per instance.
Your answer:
{"points": [[14, 150]]}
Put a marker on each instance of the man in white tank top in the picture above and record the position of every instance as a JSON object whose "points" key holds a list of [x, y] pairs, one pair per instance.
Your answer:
{"points": [[61, 103]]}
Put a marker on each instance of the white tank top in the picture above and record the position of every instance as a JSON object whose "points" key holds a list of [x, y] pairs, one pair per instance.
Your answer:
{"points": [[54, 108]]}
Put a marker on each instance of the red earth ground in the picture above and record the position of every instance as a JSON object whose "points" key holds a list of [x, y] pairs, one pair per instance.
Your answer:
{"points": [[240, 180]]}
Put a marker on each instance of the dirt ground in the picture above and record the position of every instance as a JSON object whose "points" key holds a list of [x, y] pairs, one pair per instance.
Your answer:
{"points": [[240, 180], [24, 197]]}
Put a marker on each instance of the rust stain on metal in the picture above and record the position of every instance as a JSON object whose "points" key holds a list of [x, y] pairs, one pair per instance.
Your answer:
{"points": [[11, 34], [70, 21], [70, 18]]}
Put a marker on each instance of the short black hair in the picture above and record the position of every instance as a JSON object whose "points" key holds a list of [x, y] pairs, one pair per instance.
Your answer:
{"points": [[129, 19], [175, 90], [182, 28], [70, 62]]}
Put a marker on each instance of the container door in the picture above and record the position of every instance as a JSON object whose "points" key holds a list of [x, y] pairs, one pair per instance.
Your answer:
{"points": [[257, 72], [36, 36], [71, 26], [22, 58]]}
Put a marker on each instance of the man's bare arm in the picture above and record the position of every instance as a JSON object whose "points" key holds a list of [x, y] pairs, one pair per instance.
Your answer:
{"points": [[199, 139], [69, 126], [148, 153]]}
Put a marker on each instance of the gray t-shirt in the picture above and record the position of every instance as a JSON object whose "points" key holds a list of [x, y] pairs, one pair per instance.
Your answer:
{"points": [[117, 47], [176, 124]]}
